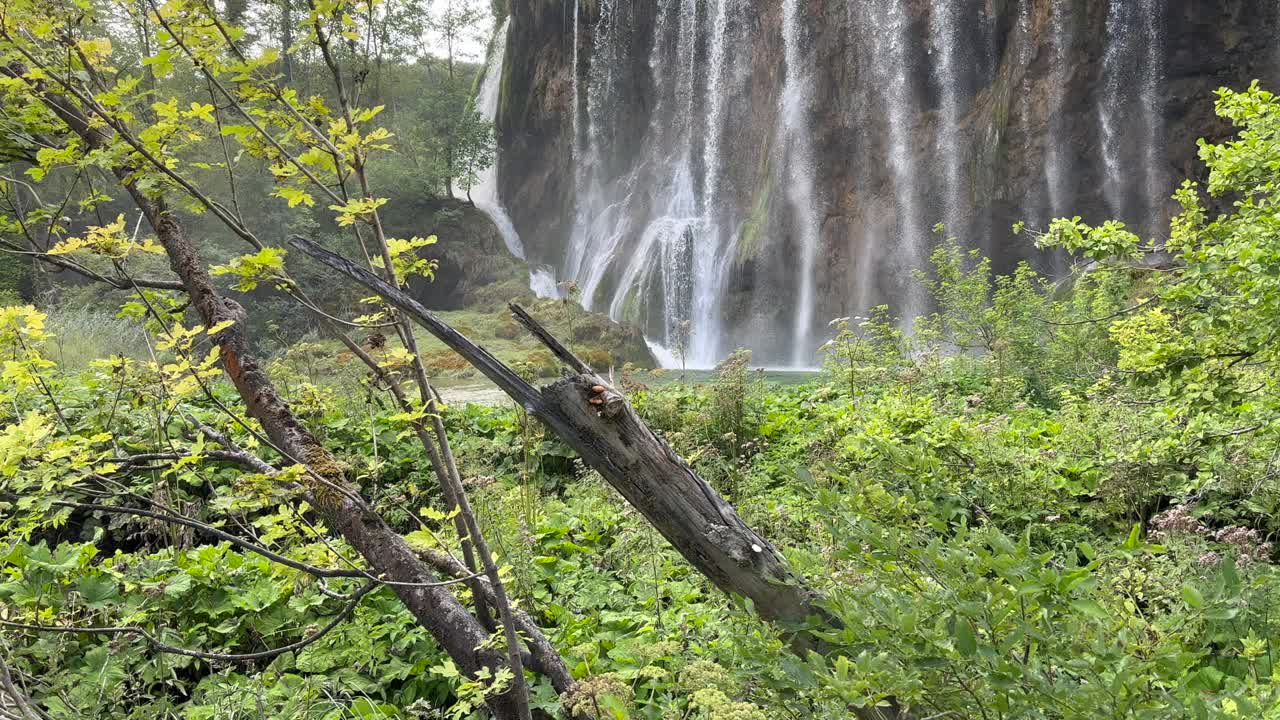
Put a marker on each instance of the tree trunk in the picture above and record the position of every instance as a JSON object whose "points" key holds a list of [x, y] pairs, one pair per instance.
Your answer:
{"points": [[612, 439], [387, 553], [286, 42]]}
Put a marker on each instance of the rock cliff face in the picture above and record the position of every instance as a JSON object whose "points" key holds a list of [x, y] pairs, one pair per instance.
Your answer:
{"points": [[749, 169]]}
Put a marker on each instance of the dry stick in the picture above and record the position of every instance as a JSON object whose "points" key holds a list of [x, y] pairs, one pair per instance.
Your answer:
{"points": [[17, 697], [209, 77], [451, 480], [540, 648], [455, 629], [79, 124], [64, 264], [441, 461], [97, 136], [215, 532]]}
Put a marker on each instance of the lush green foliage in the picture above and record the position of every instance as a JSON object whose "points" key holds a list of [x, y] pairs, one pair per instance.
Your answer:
{"points": [[1040, 503]]}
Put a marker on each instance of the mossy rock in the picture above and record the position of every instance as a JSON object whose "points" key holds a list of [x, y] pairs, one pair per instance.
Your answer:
{"points": [[445, 361], [590, 328], [508, 329], [542, 363], [598, 358]]}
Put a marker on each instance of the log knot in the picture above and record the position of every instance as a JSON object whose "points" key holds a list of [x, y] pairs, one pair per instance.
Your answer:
{"points": [[742, 551], [608, 402]]}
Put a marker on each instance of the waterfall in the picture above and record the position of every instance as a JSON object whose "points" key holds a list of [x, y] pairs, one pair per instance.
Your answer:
{"points": [[1118, 56], [945, 27], [1058, 166], [601, 94], [797, 158], [1152, 79], [1033, 198], [668, 238], [741, 166], [485, 194], [1132, 145], [618, 254], [710, 260], [573, 80], [886, 28], [1112, 67]]}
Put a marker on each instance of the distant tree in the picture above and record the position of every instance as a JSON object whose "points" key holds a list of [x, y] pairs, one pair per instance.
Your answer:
{"points": [[459, 143]]}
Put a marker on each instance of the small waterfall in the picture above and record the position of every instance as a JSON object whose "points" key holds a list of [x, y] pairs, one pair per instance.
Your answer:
{"points": [[797, 158], [886, 26], [1118, 56], [602, 96], [1133, 144], [668, 237], [710, 258], [1058, 158], [1025, 41], [1152, 81], [945, 26], [485, 194], [638, 229], [573, 80]]}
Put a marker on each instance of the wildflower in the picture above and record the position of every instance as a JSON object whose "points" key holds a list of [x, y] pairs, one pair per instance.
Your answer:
{"points": [[1177, 520]]}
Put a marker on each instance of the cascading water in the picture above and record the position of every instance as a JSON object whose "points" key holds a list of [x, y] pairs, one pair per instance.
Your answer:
{"points": [[1057, 166], [796, 152], [647, 225], [601, 100], [485, 193], [1113, 65], [1152, 76], [944, 36], [739, 166], [1025, 41], [709, 264], [573, 78], [885, 26], [1132, 59]]}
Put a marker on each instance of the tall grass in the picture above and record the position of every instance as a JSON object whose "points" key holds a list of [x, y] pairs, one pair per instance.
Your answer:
{"points": [[83, 333]]}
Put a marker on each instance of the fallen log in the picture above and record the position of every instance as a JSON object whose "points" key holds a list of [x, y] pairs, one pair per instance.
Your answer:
{"points": [[612, 439]]}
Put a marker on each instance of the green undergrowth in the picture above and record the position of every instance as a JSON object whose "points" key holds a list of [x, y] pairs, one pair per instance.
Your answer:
{"points": [[978, 542], [1051, 501]]}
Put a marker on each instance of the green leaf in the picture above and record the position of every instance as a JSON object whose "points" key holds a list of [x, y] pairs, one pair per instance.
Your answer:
{"points": [[1192, 597], [96, 590], [966, 640], [295, 196], [1222, 614], [177, 585], [1132, 542], [1087, 551], [1089, 608]]}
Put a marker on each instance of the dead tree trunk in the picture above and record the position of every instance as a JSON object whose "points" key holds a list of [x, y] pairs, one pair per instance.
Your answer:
{"points": [[613, 440]]}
